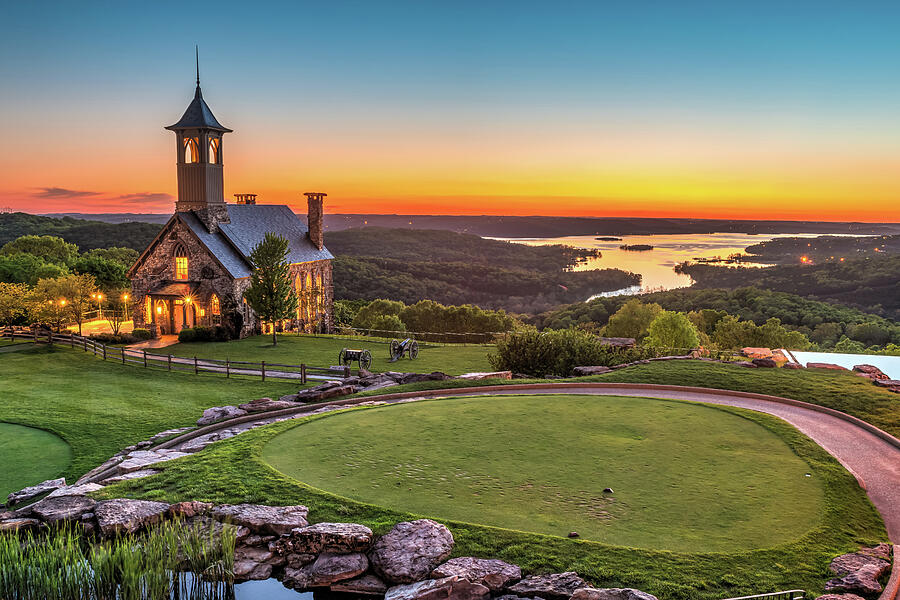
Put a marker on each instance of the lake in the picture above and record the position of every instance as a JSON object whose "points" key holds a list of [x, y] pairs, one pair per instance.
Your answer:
{"points": [[657, 266]]}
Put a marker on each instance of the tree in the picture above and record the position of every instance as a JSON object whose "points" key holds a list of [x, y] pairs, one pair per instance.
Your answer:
{"points": [[109, 274], [632, 320], [48, 248], [672, 331], [28, 268], [117, 312], [69, 297], [270, 293], [13, 302]]}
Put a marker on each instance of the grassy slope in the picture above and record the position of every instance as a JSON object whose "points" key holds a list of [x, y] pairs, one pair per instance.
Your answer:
{"points": [[234, 471], [100, 407], [686, 477], [29, 456], [323, 352]]}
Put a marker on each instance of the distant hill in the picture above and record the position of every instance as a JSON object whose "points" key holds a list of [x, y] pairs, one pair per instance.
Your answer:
{"points": [[86, 234], [538, 226]]}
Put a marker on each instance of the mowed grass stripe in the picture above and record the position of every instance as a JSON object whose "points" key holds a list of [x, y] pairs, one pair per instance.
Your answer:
{"points": [[686, 477], [30, 456]]}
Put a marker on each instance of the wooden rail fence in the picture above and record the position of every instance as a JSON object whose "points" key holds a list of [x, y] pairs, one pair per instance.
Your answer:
{"points": [[141, 358]]}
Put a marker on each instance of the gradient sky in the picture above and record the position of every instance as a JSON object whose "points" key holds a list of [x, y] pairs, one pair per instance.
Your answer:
{"points": [[701, 109]]}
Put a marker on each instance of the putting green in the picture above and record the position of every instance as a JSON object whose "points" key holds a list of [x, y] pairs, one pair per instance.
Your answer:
{"points": [[29, 456], [685, 477]]}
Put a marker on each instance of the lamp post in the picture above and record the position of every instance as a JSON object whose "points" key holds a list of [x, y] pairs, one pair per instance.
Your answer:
{"points": [[125, 302], [62, 304]]}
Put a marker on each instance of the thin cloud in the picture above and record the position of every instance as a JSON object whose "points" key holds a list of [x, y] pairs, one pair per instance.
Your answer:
{"points": [[58, 192], [144, 197]]}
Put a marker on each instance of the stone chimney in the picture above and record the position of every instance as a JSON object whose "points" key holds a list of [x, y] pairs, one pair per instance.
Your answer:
{"points": [[245, 198], [314, 218]]}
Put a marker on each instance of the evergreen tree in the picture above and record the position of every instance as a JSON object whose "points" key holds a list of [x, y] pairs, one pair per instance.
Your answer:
{"points": [[270, 293]]}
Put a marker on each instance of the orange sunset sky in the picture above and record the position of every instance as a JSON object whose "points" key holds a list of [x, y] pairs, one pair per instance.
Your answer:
{"points": [[517, 109]]}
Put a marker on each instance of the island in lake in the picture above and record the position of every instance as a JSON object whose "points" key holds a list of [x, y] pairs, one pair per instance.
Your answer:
{"points": [[608, 239], [636, 247]]}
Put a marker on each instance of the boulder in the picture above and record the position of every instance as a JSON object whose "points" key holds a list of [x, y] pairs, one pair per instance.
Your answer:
{"points": [[366, 585], [417, 377], [840, 597], [863, 581], [253, 562], [276, 520], [556, 586], [446, 588], [490, 375], [63, 508], [888, 383], [766, 363], [821, 365], [491, 573], [589, 593], [850, 563], [595, 370], [217, 413], [14, 525], [124, 515], [337, 538], [757, 352], [791, 365], [880, 551], [35, 490], [744, 363], [265, 404], [75, 490], [139, 474], [326, 570], [870, 371], [410, 551], [190, 509]]}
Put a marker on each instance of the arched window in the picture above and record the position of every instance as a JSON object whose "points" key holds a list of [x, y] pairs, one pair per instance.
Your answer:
{"points": [[214, 145], [191, 150], [214, 307], [181, 262]]}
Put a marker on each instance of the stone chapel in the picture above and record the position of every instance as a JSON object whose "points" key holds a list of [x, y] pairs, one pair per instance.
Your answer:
{"points": [[195, 272]]}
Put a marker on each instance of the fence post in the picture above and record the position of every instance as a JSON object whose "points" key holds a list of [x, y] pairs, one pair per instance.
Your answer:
{"points": [[123, 356], [227, 368], [302, 373], [170, 362], [104, 350], [72, 340], [195, 366], [346, 372], [145, 359], [84, 343], [263, 369]]}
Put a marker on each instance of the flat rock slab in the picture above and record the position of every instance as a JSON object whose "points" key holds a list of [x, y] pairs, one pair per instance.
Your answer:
{"points": [[556, 586], [129, 476], [252, 562], [266, 404], [14, 525], [124, 515], [275, 520], [446, 588], [411, 550], [840, 597], [141, 459], [217, 413], [821, 365], [63, 508], [326, 570], [593, 370], [336, 538], [491, 375], [75, 490], [34, 491], [850, 563], [189, 509], [366, 585], [864, 581], [589, 593], [491, 573]]}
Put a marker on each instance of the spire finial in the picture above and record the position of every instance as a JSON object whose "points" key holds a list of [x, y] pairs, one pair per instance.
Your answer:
{"points": [[197, 93]]}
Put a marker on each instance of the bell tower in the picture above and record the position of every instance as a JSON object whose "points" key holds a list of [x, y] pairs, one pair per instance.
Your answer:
{"points": [[199, 161]]}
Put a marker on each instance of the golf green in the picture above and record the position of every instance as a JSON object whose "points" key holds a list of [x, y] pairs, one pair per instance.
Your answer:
{"points": [[685, 477], [29, 456]]}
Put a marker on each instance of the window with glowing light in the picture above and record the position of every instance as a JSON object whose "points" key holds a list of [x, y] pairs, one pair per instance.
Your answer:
{"points": [[181, 262], [191, 150], [214, 146], [214, 305]]}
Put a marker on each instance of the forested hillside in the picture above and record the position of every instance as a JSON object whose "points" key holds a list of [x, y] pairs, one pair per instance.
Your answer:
{"points": [[87, 235]]}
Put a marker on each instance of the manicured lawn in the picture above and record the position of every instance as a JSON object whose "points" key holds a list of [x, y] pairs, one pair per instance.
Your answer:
{"points": [[686, 477], [235, 470], [295, 349], [30, 456], [100, 407]]}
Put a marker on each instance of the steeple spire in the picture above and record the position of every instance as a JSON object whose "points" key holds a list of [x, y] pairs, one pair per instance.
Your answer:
{"points": [[198, 93]]}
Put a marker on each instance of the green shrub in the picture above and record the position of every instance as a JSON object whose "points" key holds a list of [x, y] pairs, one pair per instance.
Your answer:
{"points": [[141, 334], [557, 352], [109, 338], [672, 333], [187, 335], [204, 334]]}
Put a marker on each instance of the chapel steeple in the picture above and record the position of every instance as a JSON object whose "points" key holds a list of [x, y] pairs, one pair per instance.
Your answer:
{"points": [[199, 161]]}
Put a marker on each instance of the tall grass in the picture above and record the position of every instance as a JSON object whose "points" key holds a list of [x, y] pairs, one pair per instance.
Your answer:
{"points": [[63, 564]]}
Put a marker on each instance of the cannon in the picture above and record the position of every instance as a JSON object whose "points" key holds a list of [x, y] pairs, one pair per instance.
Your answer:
{"points": [[409, 346], [348, 355]]}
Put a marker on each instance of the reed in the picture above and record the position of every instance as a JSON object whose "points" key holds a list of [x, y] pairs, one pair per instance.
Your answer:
{"points": [[63, 564]]}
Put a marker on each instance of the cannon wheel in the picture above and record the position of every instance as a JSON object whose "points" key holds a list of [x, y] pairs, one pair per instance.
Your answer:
{"points": [[413, 350], [343, 359], [365, 359], [395, 349]]}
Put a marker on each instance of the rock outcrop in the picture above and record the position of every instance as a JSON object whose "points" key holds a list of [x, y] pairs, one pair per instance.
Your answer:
{"points": [[34, 491], [276, 520], [491, 573], [124, 515], [63, 508], [556, 586], [341, 538], [411, 551], [446, 588], [327, 569]]}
